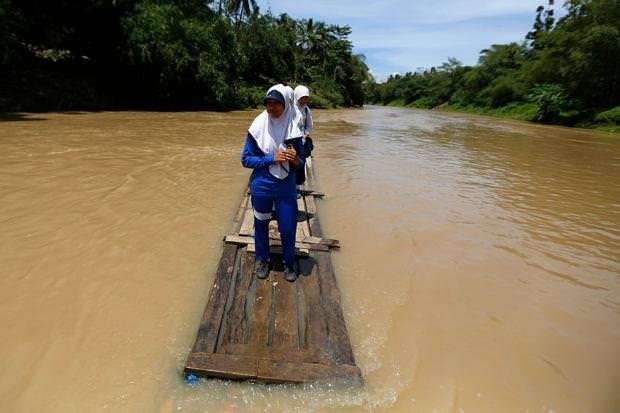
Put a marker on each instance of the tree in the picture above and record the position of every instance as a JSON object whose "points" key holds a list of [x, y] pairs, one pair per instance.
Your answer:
{"points": [[241, 8], [61, 54], [543, 23], [582, 53]]}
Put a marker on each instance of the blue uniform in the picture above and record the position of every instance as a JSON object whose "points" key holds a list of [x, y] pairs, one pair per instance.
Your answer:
{"points": [[268, 191]]}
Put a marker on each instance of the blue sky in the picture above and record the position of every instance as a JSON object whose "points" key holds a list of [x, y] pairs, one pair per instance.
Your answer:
{"points": [[399, 36]]}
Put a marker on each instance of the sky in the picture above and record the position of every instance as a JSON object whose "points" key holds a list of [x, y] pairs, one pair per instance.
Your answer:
{"points": [[400, 36]]}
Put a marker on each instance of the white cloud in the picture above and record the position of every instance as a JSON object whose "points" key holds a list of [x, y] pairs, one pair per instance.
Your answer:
{"points": [[404, 35], [457, 37], [427, 11]]}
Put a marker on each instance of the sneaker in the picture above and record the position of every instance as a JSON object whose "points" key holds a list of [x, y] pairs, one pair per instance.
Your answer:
{"points": [[261, 269], [290, 273]]}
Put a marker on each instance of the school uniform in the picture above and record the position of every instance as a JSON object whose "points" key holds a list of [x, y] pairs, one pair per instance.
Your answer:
{"points": [[272, 184]]}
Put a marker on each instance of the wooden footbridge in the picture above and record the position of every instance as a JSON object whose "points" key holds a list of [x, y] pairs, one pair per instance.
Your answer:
{"points": [[272, 330]]}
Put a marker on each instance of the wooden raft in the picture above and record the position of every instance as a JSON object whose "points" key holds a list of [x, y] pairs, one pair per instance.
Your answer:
{"points": [[272, 330]]}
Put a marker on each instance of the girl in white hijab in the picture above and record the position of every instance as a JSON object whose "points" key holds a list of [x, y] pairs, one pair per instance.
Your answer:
{"points": [[302, 97], [271, 150], [305, 125]]}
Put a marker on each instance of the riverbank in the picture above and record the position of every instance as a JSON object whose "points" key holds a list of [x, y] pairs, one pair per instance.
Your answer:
{"points": [[603, 121], [607, 121]]}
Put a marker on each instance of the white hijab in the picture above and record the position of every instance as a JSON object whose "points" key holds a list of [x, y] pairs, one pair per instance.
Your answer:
{"points": [[271, 133], [300, 92], [300, 117]]}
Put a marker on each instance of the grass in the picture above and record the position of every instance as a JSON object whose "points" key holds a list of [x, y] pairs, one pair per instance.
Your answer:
{"points": [[519, 111], [604, 121]]}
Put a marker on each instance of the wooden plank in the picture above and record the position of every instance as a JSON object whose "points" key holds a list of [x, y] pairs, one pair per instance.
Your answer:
{"points": [[313, 218], [311, 176], [259, 328], [273, 229], [212, 317], [245, 240], [239, 259], [277, 250], [303, 230], [311, 312], [332, 243], [285, 332], [293, 355], [311, 192], [285, 372], [247, 226], [222, 365], [239, 312], [239, 216], [337, 334]]}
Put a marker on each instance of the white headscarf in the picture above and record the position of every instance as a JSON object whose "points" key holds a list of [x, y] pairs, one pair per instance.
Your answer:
{"points": [[271, 133], [300, 92], [301, 117]]}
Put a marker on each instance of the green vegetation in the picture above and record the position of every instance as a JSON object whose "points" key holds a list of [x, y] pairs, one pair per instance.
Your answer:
{"points": [[566, 72], [223, 54], [174, 54]]}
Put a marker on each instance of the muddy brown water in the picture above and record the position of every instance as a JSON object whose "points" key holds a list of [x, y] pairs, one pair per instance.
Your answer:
{"points": [[480, 268]]}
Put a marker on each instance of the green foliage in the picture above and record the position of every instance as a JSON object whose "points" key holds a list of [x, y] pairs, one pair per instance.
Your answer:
{"points": [[326, 94], [502, 91], [167, 53], [320, 102], [550, 99], [581, 53], [610, 117], [398, 103], [180, 55], [567, 70], [241, 8], [521, 111], [250, 96], [427, 102]]}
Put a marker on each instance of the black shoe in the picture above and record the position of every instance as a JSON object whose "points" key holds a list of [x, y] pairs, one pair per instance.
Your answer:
{"points": [[261, 269], [290, 273]]}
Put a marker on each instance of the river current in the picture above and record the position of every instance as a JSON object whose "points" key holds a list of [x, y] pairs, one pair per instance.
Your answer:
{"points": [[479, 269]]}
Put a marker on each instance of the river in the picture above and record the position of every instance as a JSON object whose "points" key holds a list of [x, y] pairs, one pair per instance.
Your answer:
{"points": [[480, 267]]}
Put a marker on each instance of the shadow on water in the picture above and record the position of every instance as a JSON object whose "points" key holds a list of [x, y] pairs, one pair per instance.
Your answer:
{"points": [[36, 116], [11, 117]]}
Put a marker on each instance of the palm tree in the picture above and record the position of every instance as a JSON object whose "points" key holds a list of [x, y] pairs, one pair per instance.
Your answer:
{"points": [[242, 7]]}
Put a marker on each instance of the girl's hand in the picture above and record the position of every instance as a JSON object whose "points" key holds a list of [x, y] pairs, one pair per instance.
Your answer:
{"points": [[279, 156], [291, 156], [290, 153]]}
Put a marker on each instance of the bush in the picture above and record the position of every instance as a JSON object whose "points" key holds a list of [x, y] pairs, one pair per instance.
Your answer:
{"points": [[427, 102], [325, 94], [319, 102], [398, 103], [502, 92], [521, 111], [611, 116], [550, 99], [250, 96]]}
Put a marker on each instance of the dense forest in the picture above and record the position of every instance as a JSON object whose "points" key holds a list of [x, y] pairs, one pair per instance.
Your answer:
{"points": [[567, 71], [223, 54], [167, 54]]}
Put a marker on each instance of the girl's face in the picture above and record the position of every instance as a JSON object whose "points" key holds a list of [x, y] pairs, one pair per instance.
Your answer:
{"points": [[303, 101], [274, 108]]}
